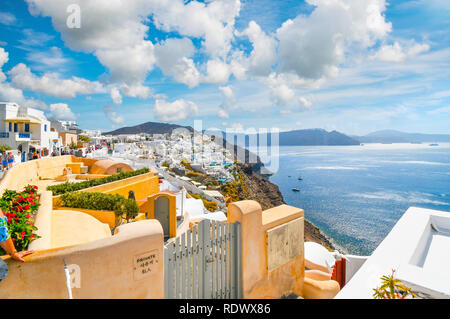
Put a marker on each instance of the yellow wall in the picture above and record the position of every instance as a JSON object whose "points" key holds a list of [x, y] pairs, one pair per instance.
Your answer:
{"points": [[257, 281], [143, 186], [75, 167]]}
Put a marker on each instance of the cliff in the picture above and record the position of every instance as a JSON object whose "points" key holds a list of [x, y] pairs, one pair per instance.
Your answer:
{"points": [[256, 187]]}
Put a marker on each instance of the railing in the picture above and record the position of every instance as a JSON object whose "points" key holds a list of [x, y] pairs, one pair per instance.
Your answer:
{"points": [[4, 134], [24, 135]]}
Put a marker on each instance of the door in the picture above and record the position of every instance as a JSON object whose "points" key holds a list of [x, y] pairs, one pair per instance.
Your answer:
{"points": [[162, 213]]}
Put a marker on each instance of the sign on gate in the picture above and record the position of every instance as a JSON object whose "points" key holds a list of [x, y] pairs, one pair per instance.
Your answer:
{"points": [[204, 262]]}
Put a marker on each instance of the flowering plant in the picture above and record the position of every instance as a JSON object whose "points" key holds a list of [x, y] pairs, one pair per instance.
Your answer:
{"points": [[19, 207], [392, 288]]}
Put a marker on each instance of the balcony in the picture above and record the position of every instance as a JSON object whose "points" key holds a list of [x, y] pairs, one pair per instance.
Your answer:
{"points": [[4, 134], [23, 136]]}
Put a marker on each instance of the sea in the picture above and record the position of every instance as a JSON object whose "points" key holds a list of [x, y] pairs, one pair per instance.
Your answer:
{"points": [[356, 194]]}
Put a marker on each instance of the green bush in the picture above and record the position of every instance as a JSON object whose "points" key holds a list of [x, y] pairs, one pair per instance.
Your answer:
{"points": [[4, 147], [99, 201], [73, 187]]}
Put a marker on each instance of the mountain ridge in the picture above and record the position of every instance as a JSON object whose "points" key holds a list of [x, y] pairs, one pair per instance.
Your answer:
{"points": [[394, 136]]}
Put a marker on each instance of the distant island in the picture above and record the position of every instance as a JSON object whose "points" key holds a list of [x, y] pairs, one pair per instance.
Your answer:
{"points": [[392, 136], [149, 128], [306, 137]]}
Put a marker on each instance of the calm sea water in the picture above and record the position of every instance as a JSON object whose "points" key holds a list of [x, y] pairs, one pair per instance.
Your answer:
{"points": [[356, 194]]}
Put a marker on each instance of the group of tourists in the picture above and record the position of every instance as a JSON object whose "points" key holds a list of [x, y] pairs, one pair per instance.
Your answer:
{"points": [[7, 160]]}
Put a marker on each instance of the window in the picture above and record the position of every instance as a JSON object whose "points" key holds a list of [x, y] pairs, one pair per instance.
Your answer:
{"points": [[10, 126], [45, 127], [27, 127], [15, 127]]}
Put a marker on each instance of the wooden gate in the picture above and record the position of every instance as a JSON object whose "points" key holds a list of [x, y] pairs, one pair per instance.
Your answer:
{"points": [[204, 262]]}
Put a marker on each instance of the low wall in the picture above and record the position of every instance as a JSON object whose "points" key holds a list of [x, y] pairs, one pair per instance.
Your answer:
{"points": [[268, 272], [30, 172], [112, 267]]}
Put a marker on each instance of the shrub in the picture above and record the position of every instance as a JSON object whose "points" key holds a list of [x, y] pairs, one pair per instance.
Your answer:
{"points": [[99, 201], [19, 208], [209, 205], [73, 187], [4, 147]]}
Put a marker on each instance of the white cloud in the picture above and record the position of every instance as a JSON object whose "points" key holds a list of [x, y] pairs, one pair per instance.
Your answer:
{"points": [[116, 33], [51, 83], [34, 38], [113, 116], [61, 111], [112, 31], [223, 114], [228, 95], [228, 101], [4, 57], [116, 96], [263, 54], [396, 53], [128, 64], [7, 18], [305, 102], [137, 90], [52, 59], [314, 46], [174, 111], [172, 57], [217, 71], [213, 21]]}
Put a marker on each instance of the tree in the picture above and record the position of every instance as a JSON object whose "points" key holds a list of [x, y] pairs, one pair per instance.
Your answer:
{"points": [[83, 138]]}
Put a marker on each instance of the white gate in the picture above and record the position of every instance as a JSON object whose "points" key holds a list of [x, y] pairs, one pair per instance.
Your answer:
{"points": [[204, 262]]}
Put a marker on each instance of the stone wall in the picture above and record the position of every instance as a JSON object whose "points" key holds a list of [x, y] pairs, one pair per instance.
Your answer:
{"points": [[113, 267], [261, 278]]}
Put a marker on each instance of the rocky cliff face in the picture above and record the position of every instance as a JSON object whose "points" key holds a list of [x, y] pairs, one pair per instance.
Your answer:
{"points": [[268, 195]]}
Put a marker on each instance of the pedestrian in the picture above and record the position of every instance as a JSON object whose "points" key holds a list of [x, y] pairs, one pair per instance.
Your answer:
{"points": [[10, 160], [8, 246], [4, 160]]}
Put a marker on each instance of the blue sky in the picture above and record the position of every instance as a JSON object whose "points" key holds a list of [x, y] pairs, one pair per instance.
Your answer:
{"points": [[355, 66]]}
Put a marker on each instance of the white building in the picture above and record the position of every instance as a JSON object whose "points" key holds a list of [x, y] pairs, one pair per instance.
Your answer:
{"points": [[417, 248], [23, 127]]}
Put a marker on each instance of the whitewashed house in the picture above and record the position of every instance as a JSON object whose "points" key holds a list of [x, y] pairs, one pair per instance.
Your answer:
{"points": [[23, 127]]}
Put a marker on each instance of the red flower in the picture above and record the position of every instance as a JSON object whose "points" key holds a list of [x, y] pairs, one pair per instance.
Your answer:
{"points": [[32, 203], [27, 207], [22, 234], [28, 216]]}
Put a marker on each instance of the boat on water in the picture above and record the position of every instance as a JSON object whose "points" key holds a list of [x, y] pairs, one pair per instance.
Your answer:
{"points": [[300, 178], [434, 144], [295, 189]]}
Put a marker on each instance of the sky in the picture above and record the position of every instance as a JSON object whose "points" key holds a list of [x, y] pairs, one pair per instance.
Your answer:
{"points": [[355, 66]]}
